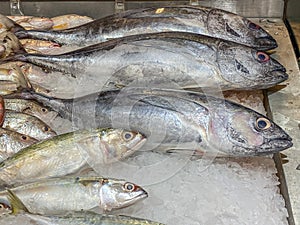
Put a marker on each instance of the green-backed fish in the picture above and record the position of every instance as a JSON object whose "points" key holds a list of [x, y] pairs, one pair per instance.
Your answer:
{"points": [[78, 218], [69, 153], [61, 195]]}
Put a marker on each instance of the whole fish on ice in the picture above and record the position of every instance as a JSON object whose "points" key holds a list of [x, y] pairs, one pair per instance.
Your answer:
{"points": [[196, 19], [28, 125], [61, 195], [11, 142], [78, 218], [176, 120], [68, 153], [184, 59], [33, 108]]}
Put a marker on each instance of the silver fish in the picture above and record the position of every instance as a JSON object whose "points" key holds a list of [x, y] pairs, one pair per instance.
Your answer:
{"points": [[31, 108], [30, 22], [184, 59], [2, 110], [69, 153], [11, 142], [195, 19], [61, 195], [176, 120], [28, 125], [9, 44], [78, 218], [68, 21]]}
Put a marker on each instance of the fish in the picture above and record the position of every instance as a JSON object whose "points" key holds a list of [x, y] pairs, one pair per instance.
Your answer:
{"points": [[13, 73], [28, 125], [30, 107], [9, 45], [31, 22], [11, 142], [175, 120], [298, 167], [196, 19], [82, 218], [69, 153], [61, 195], [68, 21], [39, 46], [2, 110], [183, 59], [8, 87]]}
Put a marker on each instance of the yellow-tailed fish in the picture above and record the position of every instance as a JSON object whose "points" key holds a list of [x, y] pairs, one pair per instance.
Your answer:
{"points": [[69, 153], [61, 195]]}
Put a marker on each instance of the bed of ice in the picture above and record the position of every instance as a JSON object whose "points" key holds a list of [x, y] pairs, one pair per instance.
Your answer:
{"points": [[185, 190]]}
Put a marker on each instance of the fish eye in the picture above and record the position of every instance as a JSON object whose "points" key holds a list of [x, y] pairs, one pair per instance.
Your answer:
{"points": [[262, 57], [253, 26], [45, 128], [4, 206], [24, 137], [127, 136], [129, 187], [263, 124], [44, 110]]}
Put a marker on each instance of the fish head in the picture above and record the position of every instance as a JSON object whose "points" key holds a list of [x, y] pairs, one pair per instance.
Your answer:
{"points": [[44, 131], [40, 111], [119, 143], [240, 131], [18, 139], [116, 194], [247, 68], [229, 26]]}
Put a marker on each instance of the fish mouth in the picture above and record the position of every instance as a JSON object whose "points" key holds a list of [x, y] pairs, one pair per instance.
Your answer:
{"points": [[134, 200], [275, 146], [265, 43], [134, 148], [279, 75]]}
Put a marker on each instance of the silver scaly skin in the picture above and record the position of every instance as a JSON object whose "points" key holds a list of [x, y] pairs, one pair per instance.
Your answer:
{"points": [[30, 107], [196, 19], [185, 59], [61, 195], [68, 153], [28, 125], [11, 142], [177, 120], [78, 218]]}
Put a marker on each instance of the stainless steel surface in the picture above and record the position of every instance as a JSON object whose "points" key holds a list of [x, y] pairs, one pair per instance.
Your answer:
{"points": [[293, 9], [98, 9]]}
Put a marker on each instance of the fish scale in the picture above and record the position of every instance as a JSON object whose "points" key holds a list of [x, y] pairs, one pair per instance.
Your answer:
{"points": [[172, 58], [198, 19], [176, 120], [69, 153]]}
